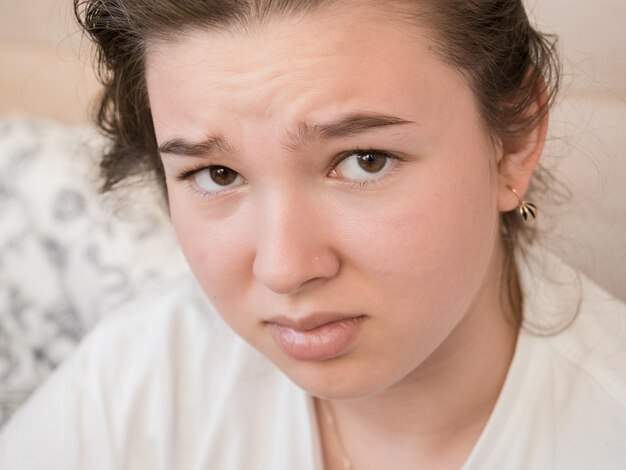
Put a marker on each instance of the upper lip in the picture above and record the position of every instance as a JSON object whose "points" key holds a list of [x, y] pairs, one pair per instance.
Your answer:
{"points": [[310, 321]]}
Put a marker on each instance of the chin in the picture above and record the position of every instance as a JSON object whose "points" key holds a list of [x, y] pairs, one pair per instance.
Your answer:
{"points": [[337, 379]]}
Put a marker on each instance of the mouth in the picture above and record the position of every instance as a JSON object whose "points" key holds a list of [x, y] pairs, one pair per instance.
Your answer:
{"points": [[316, 337]]}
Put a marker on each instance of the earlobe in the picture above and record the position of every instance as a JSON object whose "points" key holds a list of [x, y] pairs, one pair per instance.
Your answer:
{"points": [[517, 166]]}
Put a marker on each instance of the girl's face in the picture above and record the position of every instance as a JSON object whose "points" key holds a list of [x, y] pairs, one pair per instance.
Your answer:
{"points": [[333, 191]]}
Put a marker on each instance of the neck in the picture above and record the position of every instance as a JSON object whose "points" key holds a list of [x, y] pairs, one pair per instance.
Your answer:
{"points": [[445, 403]]}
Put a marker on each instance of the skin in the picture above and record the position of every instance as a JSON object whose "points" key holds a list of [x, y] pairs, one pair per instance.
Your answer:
{"points": [[416, 249]]}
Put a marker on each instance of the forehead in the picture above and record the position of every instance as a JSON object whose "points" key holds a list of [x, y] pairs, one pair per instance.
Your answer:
{"points": [[296, 69]]}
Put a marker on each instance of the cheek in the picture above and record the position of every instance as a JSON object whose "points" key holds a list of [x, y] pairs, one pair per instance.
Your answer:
{"points": [[431, 245], [216, 248]]}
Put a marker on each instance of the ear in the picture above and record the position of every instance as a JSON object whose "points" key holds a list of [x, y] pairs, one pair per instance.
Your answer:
{"points": [[516, 166]]}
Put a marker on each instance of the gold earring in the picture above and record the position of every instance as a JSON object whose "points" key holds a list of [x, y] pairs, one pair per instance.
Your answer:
{"points": [[526, 209]]}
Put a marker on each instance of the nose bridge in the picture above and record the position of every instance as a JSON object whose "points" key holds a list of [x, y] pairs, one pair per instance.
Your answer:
{"points": [[293, 244]]}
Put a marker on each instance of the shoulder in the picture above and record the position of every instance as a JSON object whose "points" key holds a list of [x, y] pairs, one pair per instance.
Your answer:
{"points": [[154, 325], [583, 324], [564, 400], [582, 329], [169, 338], [179, 300], [163, 367], [579, 319], [594, 345]]}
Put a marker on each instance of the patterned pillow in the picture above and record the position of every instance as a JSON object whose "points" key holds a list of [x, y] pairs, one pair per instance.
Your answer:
{"points": [[67, 254]]}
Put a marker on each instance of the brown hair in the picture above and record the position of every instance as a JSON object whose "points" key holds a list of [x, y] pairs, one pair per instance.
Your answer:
{"points": [[505, 61]]}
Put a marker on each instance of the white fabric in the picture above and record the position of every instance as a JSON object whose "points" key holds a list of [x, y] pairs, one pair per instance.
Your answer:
{"points": [[164, 384]]}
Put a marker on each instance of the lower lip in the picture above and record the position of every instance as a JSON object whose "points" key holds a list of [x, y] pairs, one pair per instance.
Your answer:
{"points": [[319, 344]]}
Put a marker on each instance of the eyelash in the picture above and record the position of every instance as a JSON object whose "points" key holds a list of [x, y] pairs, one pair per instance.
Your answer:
{"points": [[186, 175], [395, 159]]}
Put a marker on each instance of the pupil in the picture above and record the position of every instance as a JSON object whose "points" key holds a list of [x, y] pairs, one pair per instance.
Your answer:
{"points": [[372, 163], [222, 175]]}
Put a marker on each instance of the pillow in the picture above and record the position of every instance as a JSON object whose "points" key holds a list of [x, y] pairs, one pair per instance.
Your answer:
{"points": [[67, 254]]}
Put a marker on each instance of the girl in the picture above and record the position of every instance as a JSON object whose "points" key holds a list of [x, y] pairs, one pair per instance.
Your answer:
{"points": [[348, 181]]}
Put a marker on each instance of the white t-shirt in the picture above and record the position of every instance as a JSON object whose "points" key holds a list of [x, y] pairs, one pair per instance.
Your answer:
{"points": [[164, 384]]}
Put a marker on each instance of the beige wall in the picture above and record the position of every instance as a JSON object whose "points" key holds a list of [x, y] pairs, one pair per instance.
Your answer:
{"points": [[43, 72], [588, 146]]}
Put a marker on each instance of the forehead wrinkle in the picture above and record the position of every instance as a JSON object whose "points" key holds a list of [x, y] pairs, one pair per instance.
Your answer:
{"points": [[303, 136]]}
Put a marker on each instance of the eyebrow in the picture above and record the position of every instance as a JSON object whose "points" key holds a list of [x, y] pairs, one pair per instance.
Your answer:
{"points": [[351, 125], [180, 146]]}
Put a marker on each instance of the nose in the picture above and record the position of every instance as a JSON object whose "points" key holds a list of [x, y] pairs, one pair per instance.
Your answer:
{"points": [[294, 249]]}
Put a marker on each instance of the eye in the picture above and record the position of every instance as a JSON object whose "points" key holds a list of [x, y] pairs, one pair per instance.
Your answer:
{"points": [[363, 165], [213, 179]]}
